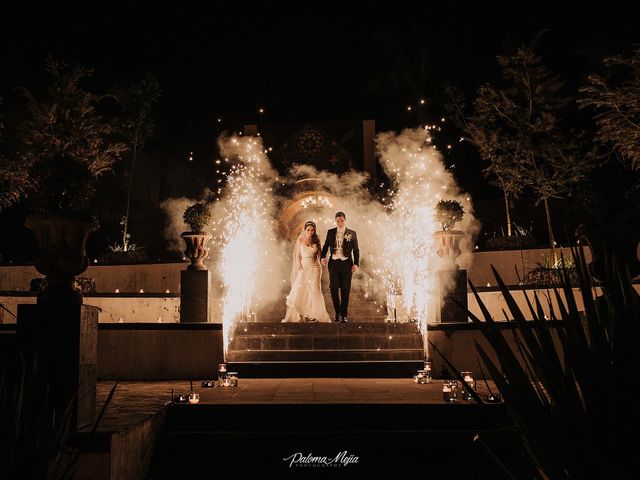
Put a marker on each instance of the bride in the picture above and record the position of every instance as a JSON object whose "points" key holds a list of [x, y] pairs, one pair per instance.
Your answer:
{"points": [[305, 302]]}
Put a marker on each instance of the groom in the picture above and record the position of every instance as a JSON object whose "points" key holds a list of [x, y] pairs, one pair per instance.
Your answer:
{"points": [[343, 242]]}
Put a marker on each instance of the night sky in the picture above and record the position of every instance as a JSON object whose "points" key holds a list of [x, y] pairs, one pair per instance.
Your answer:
{"points": [[300, 66], [306, 67]]}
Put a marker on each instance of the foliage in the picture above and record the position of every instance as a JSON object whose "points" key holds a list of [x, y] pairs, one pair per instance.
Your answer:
{"points": [[616, 102], [499, 161], [12, 179], [448, 213], [563, 380], [521, 238], [552, 272], [613, 196], [117, 255], [33, 435], [31, 432], [80, 284], [66, 143], [516, 127], [197, 216], [136, 126]]}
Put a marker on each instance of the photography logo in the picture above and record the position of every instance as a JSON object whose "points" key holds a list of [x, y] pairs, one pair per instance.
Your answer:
{"points": [[299, 460]]}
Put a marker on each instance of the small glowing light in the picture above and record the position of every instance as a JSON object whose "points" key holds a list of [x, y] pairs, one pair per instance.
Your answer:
{"points": [[488, 284], [142, 290], [422, 102], [443, 119], [219, 120], [448, 147], [477, 247], [117, 290], [167, 291], [95, 260], [409, 108], [217, 162], [261, 110], [159, 319]]}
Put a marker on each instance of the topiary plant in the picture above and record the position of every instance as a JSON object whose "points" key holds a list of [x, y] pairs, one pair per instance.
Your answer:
{"points": [[448, 213], [197, 216]]}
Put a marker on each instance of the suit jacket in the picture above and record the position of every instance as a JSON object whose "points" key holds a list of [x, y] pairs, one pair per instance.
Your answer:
{"points": [[349, 245]]}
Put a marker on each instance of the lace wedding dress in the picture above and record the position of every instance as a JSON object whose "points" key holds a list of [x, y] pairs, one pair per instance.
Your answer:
{"points": [[305, 302]]}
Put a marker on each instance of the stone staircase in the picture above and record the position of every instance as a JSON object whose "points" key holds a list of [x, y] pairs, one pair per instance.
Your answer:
{"points": [[325, 350], [364, 347]]}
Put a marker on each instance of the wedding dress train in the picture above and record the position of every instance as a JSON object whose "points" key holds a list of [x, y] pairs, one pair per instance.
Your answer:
{"points": [[305, 302]]}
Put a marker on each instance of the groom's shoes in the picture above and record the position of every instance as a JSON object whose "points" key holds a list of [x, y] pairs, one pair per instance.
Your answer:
{"points": [[338, 318], [344, 320]]}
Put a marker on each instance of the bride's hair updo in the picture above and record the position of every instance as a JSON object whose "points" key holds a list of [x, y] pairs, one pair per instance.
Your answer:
{"points": [[315, 239]]}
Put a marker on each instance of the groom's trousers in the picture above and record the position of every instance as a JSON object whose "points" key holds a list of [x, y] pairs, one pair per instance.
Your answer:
{"points": [[340, 284]]}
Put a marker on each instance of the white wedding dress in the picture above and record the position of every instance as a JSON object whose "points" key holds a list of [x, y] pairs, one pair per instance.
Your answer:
{"points": [[305, 302]]}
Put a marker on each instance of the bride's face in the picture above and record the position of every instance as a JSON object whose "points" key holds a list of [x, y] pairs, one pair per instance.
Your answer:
{"points": [[310, 231]]}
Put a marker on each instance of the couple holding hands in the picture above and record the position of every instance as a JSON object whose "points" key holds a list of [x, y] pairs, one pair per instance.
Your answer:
{"points": [[305, 302]]}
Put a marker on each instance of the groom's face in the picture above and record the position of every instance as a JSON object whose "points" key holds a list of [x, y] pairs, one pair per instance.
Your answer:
{"points": [[340, 221]]}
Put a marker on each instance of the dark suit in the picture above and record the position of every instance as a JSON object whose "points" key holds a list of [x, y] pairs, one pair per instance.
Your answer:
{"points": [[340, 270]]}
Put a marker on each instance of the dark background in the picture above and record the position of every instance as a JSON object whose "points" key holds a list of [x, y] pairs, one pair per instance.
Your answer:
{"points": [[319, 65]]}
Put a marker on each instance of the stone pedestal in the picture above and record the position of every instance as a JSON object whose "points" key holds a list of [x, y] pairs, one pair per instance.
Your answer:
{"points": [[453, 295], [194, 296], [62, 339]]}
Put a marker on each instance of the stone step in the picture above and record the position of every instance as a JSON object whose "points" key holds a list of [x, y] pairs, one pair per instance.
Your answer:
{"points": [[329, 306], [325, 342], [355, 314], [315, 328], [325, 355], [329, 369]]}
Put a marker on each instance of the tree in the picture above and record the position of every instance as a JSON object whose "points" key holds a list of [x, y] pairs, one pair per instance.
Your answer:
{"points": [[10, 185], [499, 162], [616, 101], [136, 126], [66, 144], [516, 125]]}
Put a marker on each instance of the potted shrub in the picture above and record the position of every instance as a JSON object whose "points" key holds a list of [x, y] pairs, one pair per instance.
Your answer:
{"points": [[197, 217], [65, 147], [448, 213]]}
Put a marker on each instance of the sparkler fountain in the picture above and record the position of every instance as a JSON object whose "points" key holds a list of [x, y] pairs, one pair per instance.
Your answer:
{"points": [[419, 181], [245, 228]]}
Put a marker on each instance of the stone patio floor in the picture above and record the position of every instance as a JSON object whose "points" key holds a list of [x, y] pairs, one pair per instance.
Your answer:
{"points": [[134, 401]]}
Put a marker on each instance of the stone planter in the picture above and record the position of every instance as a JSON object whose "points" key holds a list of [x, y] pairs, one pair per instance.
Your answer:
{"points": [[196, 249], [448, 246], [61, 253]]}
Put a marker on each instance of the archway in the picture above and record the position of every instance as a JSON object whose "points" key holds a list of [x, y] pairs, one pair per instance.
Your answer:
{"points": [[310, 197]]}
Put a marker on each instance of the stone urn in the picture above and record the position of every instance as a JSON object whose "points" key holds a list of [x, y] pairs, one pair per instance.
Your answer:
{"points": [[448, 246], [61, 253], [196, 248]]}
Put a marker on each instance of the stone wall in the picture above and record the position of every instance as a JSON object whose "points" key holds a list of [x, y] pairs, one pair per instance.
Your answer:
{"points": [[160, 277]]}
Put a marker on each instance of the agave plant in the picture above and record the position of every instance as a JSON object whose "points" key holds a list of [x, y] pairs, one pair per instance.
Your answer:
{"points": [[564, 382], [33, 435]]}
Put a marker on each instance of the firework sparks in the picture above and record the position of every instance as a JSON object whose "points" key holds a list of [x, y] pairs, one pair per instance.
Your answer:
{"points": [[419, 180], [245, 229]]}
